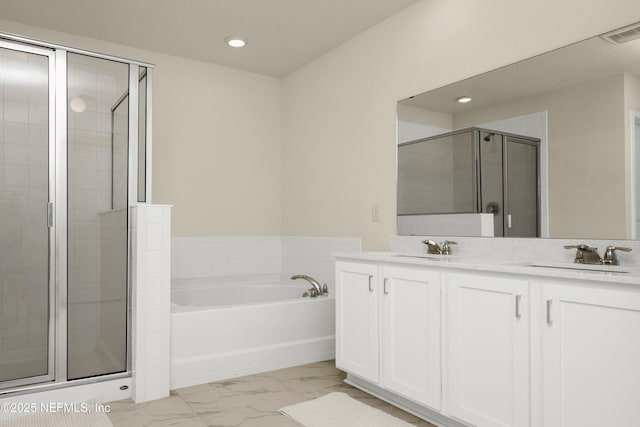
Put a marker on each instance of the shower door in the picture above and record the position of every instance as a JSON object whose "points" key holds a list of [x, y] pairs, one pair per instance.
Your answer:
{"points": [[27, 173], [97, 194], [521, 186], [69, 130], [509, 187]]}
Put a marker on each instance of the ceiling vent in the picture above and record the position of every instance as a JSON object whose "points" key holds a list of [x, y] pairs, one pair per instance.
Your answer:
{"points": [[623, 35]]}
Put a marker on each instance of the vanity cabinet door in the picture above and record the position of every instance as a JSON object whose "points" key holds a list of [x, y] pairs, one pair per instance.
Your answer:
{"points": [[591, 356], [357, 289], [410, 323], [488, 350]]}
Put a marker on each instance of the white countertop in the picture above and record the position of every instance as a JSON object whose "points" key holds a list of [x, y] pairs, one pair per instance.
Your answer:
{"points": [[600, 273]]}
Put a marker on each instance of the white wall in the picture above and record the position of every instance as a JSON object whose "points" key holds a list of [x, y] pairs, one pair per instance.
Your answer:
{"points": [[339, 111], [216, 139]]}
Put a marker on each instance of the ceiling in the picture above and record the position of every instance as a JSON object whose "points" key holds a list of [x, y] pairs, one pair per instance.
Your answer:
{"points": [[578, 63], [283, 34]]}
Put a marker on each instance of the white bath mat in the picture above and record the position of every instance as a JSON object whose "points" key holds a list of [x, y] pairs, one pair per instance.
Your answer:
{"points": [[339, 410], [78, 416]]}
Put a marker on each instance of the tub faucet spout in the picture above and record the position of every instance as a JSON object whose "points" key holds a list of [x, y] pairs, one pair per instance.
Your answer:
{"points": [[319, 290]]}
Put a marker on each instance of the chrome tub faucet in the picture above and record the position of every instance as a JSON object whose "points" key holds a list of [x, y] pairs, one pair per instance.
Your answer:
{"points": [[317, 290]]}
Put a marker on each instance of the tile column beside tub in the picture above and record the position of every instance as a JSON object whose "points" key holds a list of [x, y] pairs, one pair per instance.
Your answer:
{"points": [[151, 300]]}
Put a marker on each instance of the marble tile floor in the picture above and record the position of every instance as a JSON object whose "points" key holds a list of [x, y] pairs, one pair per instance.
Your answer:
{"points": [[251, 401]]}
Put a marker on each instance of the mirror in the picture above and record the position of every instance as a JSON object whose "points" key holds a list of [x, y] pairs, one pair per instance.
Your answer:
{"points": [[578, 105]]}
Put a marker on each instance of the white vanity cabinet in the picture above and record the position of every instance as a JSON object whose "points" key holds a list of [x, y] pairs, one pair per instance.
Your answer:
{"points": [[591, 356], [402, 307], [469, 344], [357, 334], [488, 350], [411, 334]]}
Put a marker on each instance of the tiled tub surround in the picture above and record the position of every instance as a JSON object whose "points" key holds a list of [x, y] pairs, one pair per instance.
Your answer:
{"points": [[151, 301], [247, 258], [225, 256], [254, 336]]}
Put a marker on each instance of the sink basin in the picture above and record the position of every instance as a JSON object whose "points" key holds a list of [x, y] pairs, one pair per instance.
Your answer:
{"points": [[433, 257], [580, 267]]}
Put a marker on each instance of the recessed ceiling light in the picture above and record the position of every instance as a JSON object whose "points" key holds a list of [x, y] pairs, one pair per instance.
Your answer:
{"points": [[463, 99], [236, 41]]}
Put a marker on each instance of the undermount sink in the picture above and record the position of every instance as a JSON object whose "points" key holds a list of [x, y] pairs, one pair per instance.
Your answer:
{"points": [[580, 267], [433, 257]]}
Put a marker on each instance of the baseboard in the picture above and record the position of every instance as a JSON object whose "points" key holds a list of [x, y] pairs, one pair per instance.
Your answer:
{"points": [[406, 405]]}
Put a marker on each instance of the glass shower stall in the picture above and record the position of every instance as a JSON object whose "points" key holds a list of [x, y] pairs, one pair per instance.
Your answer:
{"points": [[73, 155], [470, 171]]}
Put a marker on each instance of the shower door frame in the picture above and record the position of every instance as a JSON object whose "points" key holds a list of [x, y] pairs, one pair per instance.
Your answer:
{"points": [[57, 208], [532, 142], [51, 220], [521, 139]]}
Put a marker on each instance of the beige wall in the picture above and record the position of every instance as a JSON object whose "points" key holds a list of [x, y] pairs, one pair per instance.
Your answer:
{"points": [[339, 111], [586, 146], [216, 140]]}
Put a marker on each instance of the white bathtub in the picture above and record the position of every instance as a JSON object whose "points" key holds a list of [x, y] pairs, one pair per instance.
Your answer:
{"points": [[222, 295], [221, 331]]}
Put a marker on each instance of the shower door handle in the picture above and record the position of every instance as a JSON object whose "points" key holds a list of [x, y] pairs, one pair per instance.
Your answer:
{"points": [[509, 221], [49, 214]]}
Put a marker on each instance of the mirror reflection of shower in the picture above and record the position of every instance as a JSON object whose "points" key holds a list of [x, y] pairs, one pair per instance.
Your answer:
{"points": [[469, 182]]}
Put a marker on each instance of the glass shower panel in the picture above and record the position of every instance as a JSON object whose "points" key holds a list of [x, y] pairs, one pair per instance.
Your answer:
{"points": [[435, 175], [97, 217], [521, 189], [491, 179], [463, 173], [24, 232]]}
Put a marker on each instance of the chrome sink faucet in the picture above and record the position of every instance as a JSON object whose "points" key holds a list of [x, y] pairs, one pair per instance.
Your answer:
{"points": [[610, 257], [317, 290], [435, 249], [586, 254]]}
